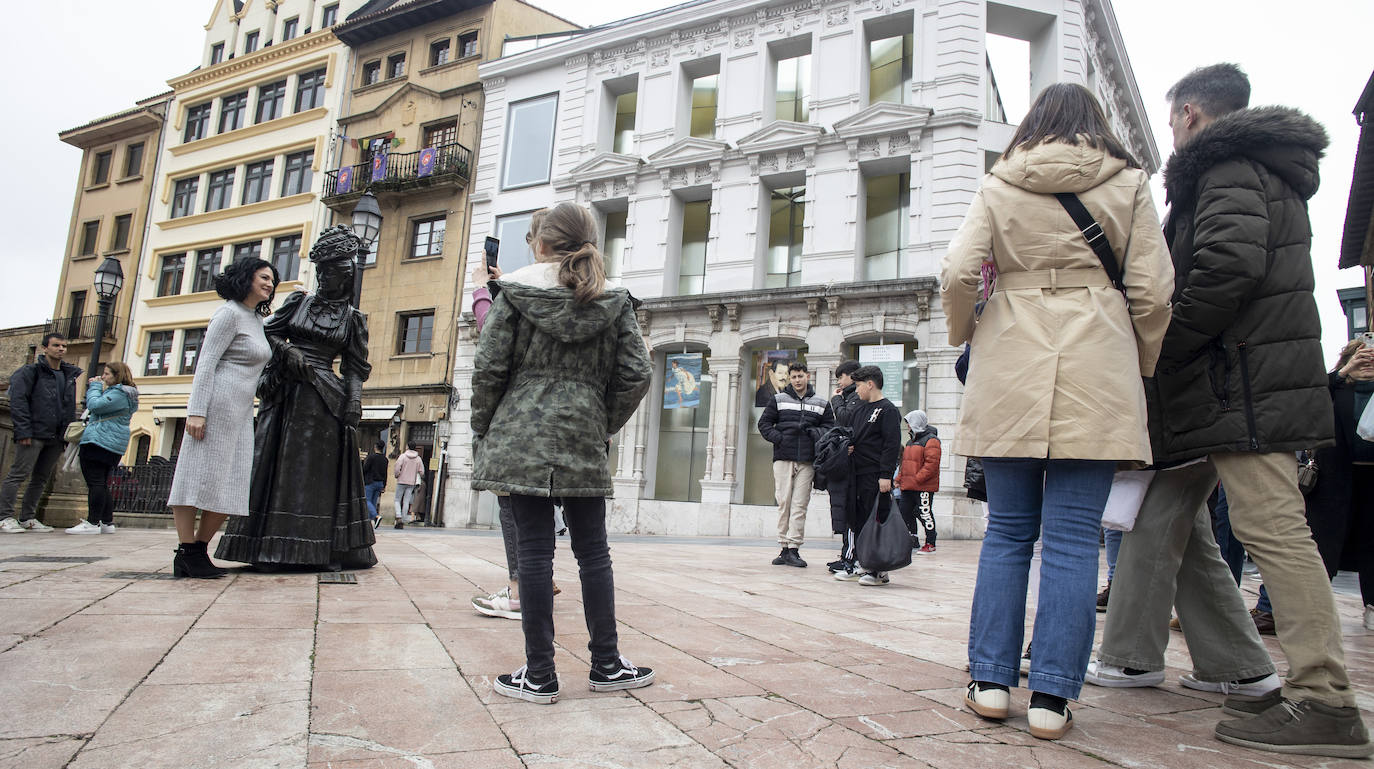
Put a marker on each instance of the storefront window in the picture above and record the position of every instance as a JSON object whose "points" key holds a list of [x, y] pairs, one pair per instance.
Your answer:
{"points": [[684, 423], [768, 375]]}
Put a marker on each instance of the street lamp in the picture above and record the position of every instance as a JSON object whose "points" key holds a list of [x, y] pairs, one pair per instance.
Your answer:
{"points": [[367, 224], [109, 280]]}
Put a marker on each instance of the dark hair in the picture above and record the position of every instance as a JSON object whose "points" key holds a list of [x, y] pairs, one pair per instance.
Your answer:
{"points": [[1216, 90], [51, 335], [237, 280], [569, 232], [412, 444], [796, 365], [1068, 113], [848, 367], [380, 446], [868, 374]]}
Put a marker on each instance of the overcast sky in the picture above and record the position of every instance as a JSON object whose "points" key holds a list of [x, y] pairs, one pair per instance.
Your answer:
{"points": [[114, 53]]}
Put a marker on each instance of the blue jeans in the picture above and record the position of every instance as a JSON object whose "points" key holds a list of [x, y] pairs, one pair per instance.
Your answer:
{"points": [[1064, 499], [1232, 551], [1112, 539], [373, 491]]}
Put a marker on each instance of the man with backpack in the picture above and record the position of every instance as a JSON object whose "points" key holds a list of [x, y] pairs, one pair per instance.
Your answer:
{"points": [[42, 402], [788, 422]]}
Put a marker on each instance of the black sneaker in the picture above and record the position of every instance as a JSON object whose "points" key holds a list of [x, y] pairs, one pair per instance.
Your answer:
{"points": [[519, 686], [836, 567], [623, 676], [1307, 728], [791, 557], [781, 560], [1104, 596]]}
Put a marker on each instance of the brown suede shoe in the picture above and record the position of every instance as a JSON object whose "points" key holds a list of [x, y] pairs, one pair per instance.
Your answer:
{"points": [[1307, 728], [1264, 621]]}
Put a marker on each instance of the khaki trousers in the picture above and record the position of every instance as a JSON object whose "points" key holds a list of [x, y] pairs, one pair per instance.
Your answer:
{"points": [[1267, 517], [792, 489]]}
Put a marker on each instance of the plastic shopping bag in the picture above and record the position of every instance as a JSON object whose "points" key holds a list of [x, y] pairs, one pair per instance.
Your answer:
{"points": [[1128, 492], [1365, 428]]}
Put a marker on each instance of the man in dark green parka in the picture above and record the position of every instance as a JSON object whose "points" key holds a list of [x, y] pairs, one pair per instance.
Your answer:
{"points": [[1241, 380]]}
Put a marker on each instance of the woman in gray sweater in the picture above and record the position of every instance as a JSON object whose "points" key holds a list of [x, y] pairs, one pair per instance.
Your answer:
{"points": [[216, 464]]}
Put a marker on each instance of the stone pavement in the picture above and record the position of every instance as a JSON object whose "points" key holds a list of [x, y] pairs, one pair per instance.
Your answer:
{"points": [[758, 666]]}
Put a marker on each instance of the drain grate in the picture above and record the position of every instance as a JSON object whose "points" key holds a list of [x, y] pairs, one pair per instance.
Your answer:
{"points": [[55, 558], [338, 578], [139, 575]]}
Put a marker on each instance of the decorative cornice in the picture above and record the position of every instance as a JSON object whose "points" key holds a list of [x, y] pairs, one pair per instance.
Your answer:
{"points": [[248, 62]]}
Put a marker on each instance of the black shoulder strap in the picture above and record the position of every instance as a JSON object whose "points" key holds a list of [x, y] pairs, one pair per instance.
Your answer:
{"points": [[1092, 232]]}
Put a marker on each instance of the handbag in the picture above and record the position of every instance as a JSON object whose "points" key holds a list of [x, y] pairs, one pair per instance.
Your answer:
{"points": [[883, 545], [76, 428], [1307, 472], [1123, 503]]}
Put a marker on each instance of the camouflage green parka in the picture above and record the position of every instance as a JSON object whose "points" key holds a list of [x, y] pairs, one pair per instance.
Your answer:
{"points": [[552, 380]]}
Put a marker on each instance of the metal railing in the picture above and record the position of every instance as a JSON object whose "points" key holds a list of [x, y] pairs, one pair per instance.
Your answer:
{"points": [[403, 171], [143, 488], [81, 327]]}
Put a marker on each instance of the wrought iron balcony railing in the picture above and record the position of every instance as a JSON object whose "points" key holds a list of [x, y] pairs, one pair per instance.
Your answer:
{"points": [[445, 164], [82, 327]]}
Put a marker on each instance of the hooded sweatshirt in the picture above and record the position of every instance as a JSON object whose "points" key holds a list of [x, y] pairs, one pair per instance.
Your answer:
{"points": [[409, 467], [920, 467]]}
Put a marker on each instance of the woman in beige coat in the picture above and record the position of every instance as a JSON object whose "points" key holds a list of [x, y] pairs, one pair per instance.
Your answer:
{"points": [[1054, 398]]}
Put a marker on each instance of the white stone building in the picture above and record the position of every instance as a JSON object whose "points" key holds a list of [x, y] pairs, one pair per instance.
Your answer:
{"points": [[775, 180]]}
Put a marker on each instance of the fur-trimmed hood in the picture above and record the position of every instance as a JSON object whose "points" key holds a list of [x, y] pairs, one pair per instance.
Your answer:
{"points": [[1287, 142]]}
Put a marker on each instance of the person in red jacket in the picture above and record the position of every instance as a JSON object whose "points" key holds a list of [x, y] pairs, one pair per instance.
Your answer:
{"points": [[919, 478]]}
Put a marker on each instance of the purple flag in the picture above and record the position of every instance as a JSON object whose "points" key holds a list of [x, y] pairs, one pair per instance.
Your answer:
{"points": [[427, 156], [345, 182], [379, 167]]}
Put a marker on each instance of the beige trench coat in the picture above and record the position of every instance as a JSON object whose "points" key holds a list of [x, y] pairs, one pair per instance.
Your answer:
{"points": [[1057, 357]]}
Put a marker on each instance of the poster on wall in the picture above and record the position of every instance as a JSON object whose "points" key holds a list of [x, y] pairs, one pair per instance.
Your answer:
{"points": [[682, 381], [889, 358], [772, 374]]}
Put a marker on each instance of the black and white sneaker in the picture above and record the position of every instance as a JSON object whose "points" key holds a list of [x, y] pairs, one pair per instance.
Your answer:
{"points": [[519, 686], [624, 676]]}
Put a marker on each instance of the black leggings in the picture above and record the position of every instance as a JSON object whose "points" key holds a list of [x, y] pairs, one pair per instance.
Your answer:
{"points": [[96, 464]]}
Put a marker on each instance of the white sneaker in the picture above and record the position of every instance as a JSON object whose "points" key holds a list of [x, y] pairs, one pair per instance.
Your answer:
{"points": [[1369, 617], [85, 527], [107, 528], [33, 524], [1047, 724], [1102, 674], [988, 703], [874, 578], [849, 576], [1257, 689], [498, 604], [10, 526]]}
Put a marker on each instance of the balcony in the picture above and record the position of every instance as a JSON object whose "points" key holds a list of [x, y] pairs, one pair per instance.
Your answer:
{"points": [[445, 166], [81, 328]]}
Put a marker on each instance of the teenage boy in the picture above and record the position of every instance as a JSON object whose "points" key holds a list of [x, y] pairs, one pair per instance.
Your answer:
{"points": [[788, 422], [873, 454], [42, 402], [842, 405]]}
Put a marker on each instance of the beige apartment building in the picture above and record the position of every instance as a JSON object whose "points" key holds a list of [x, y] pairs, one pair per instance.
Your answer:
{"points": [[109, 218], [408, 131]]}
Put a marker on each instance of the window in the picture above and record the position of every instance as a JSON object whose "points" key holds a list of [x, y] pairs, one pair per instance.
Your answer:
{"points": [[217, 191], [169, 277], [310, 90], [396, 65], [271, 101], [793, 89], [216, 53], [288, 28], [251, 250], [257, 181], [100, 167], [438, 52], [704, 100], [439, 135], [428, 237], [184, 196], [889, 69], [207, 267], [78, 305], [529, 141], [197, 122], [372, 72], [696, 225], [159, 360], [329, 16], [887, 200], [786, 218], [133, 160], [191, 342], [122, 224], [624, 137], [416, 333], [297, 177], [90, 236], [614, 249], [684, 426], [286, 256], [467, 44], [250, 42], [515, 252], [231, 111]]}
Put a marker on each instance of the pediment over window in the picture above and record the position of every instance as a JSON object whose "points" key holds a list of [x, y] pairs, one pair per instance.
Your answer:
{"points": [[780, 135], [606, 165], [883, 118], [689, 151]]}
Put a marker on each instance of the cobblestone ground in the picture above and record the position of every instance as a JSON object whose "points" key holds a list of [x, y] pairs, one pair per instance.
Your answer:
{"points": [[758, 666]]}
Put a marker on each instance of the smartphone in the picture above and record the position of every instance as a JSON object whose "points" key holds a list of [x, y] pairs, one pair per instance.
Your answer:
{"points": [[492, 247], [1367, 338]]}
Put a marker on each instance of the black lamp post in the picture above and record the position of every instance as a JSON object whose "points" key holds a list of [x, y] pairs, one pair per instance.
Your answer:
{"points": [[109, 279], [367, 224]]}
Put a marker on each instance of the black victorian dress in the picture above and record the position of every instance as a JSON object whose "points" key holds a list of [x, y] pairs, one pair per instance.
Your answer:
{"points": [[306, 503]]}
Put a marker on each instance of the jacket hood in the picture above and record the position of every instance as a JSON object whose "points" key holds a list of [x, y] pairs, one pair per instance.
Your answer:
{"points": [[1284, 140], [536, 294], [1055, 166], [412, 453], [132, 394]]}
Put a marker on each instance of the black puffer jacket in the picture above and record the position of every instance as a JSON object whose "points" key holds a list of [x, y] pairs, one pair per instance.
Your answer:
{"points": [[1241, 368], [43, 400], [787, 423]]}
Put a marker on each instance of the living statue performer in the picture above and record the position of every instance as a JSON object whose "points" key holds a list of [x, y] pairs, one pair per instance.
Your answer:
{"points": [[306, 505]]}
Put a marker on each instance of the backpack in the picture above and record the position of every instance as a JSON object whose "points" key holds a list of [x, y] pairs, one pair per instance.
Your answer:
{"points": [[832, 452]]}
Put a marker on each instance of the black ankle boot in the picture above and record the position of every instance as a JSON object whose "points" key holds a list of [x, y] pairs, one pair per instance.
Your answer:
{"points": [[192, 560]]}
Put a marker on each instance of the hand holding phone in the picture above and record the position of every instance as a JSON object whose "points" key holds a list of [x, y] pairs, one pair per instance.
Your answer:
{"points": [[492, 247]]}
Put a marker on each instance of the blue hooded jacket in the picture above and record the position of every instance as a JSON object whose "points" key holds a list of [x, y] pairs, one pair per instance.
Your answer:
{"points": [[111, 408]]}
